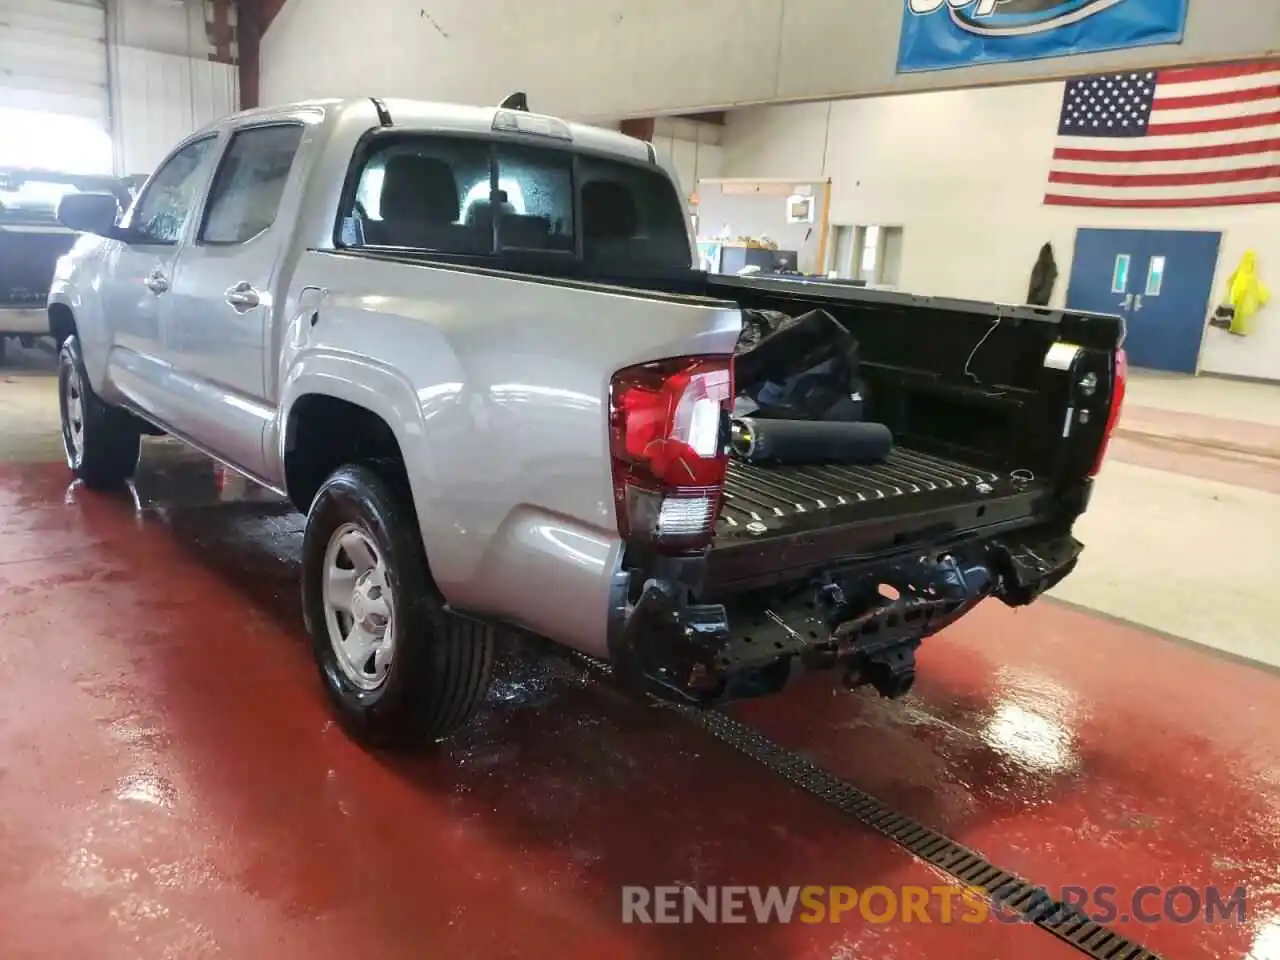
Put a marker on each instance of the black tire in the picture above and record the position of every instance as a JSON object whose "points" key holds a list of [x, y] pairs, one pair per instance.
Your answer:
{"points": [[109, 440], [439, 672]]}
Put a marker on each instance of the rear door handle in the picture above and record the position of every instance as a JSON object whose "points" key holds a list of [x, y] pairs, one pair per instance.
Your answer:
{"points": [[157, 282], [242, 296]]}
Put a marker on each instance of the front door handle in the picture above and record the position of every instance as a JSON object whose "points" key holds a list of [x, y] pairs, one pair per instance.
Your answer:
{"points": [[157, 282], [242, 296], [1127, 302], [1138, 303]]}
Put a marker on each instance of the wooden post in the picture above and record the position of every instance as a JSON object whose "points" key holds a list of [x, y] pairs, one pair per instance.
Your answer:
{"points": [[825, 227], [640, 127]]}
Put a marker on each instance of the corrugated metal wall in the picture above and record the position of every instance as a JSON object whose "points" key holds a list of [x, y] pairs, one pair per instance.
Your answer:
{"points": [[146, 76], [159, 98], [53, 57]]}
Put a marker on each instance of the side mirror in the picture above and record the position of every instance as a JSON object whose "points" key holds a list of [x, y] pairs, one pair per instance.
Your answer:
{"points": [[89, 213]]}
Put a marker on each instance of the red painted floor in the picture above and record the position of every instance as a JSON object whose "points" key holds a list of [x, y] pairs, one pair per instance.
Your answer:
{"points": [[1076, 752], [1259, 439], [1196, 460], [171, 785]]}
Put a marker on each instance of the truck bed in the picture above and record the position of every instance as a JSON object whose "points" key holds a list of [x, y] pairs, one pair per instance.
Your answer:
{"points": [[762, 494], [777, 521]]}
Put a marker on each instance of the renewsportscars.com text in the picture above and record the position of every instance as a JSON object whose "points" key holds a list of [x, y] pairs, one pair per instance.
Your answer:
{"points": [[942, 903]]}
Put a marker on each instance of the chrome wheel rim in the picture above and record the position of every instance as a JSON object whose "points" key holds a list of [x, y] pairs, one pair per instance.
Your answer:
{"points": [[73, 413], [358, 607]]}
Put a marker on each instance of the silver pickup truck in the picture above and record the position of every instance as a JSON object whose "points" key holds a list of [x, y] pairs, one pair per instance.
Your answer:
{"points": [[471, 345]]}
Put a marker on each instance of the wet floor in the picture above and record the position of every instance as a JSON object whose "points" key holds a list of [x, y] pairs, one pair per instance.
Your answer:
{"points": [[171, 784]]}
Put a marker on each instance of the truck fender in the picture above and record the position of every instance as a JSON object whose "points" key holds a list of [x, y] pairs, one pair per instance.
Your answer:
{"points": [[384, 392], [366, 383], [73, 298]]}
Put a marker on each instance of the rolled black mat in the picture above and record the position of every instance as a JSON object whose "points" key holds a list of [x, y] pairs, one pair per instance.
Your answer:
{"points": [[810, 441]]}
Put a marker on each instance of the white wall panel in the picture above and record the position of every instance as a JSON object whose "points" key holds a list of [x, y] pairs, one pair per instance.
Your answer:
{"points": [[684, 160], [53, 57], [619, 58], [159, 98], [710, 161], [165, 26], [578, 58], [689, 149]]}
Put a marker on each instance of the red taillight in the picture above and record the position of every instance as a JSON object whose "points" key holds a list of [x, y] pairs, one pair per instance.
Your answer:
{"points": [[668, 450], [1118, 382]]}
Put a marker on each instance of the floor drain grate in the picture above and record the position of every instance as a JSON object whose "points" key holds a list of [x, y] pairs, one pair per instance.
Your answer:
{"points": [[1008, 890]]}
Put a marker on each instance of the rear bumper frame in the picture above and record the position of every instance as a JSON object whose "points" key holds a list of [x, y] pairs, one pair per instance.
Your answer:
{"points": [[709, 653]]}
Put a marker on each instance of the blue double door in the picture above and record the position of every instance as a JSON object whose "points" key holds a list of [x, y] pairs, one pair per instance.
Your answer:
{"points": [[1160, 281]]}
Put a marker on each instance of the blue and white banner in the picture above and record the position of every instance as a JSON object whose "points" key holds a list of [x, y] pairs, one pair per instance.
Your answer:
{"points": [[942, 34]]}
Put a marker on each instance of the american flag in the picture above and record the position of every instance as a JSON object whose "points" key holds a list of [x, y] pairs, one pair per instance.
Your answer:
{"points": [[1193, 137]]}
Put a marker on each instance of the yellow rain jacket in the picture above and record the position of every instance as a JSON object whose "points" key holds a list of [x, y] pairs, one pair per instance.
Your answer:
{"points": [[1246, 293]]}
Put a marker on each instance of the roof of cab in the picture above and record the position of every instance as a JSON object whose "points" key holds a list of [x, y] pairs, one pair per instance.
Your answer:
{"points": [[426, 115]]}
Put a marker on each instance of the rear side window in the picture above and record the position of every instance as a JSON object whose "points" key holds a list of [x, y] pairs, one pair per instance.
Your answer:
{"points": [[481, 197], [422, 193], [631, 216], [250, 181]]}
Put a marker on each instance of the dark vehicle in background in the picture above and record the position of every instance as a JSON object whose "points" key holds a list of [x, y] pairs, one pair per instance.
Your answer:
{"points": [[32, 240]]}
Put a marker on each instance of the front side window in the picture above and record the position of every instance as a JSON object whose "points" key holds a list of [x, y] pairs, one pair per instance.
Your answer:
{"points": [[166, 205], [249, 183], [440, 194]]}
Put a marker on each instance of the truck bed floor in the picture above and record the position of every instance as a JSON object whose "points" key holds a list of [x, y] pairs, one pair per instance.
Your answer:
{"points": [[760, 499]]}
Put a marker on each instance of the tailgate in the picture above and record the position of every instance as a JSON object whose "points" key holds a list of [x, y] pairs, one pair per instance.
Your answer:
{"points": [[783, 523]]}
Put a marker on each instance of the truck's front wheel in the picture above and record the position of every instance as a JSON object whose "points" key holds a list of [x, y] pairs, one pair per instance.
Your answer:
{"points": [[398, 667], [102, 443]]}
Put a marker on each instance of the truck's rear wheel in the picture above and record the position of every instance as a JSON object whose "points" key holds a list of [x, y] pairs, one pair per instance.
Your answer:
{"points": [[101, 442], [398, 667]]}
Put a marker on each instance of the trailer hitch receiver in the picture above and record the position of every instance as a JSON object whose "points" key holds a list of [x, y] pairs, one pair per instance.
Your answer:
{"points": [[877, 644], [890, 671]]}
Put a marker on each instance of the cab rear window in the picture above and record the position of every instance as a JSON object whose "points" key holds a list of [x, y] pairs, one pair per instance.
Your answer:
{"points": [[456, 196]]}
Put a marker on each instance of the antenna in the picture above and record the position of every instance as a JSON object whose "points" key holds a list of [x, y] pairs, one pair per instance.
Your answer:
{"points": [[516, 101]]}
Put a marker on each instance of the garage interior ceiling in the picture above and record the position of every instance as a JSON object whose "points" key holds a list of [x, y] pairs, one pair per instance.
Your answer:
{"points": [[54, 57]]}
